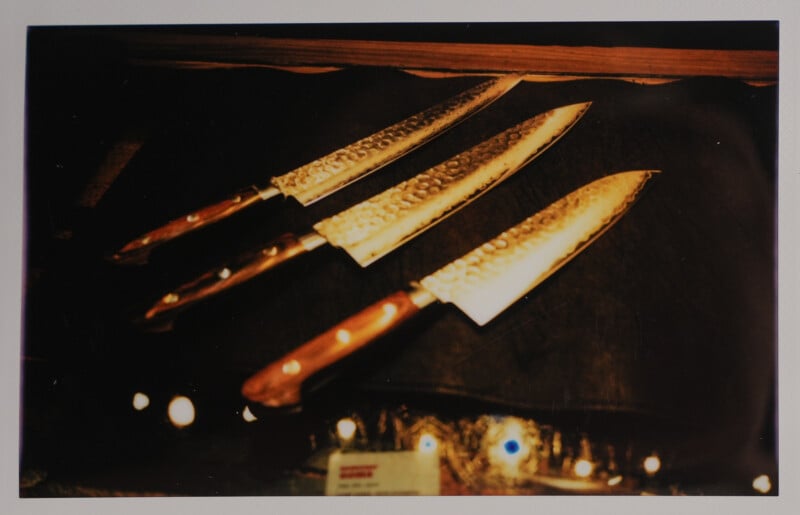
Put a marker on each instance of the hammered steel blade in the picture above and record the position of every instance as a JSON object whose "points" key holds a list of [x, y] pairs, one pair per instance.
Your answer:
{"points": [[482, 283], [487, 280], [375, 227], [334, 171]]}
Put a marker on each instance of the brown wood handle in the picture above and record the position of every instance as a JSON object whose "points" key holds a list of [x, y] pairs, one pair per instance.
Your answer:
{"points": [[244, 268], [279, 383], [137, 250]]}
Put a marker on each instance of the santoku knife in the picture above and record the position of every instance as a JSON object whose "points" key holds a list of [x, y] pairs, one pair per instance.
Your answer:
{"points": [[334, 171], [482, 283], [373, 228]]}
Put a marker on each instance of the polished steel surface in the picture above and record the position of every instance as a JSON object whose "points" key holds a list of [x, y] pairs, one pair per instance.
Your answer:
{"points": [[488, 279], [373, 228], [332, 172]]}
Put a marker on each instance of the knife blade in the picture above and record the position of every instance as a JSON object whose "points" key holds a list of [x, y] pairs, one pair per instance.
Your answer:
{"points": [[371, 229], [482, 283], [326, 175]]}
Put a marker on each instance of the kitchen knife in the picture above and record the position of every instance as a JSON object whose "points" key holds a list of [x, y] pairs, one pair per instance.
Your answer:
{"points": [[373, 228], [334, 171], [482, 283]]}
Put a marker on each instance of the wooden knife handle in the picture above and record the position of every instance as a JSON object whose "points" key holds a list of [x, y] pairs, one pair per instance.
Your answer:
{"points": [[138, 250], [244, 268], [279, 383]]}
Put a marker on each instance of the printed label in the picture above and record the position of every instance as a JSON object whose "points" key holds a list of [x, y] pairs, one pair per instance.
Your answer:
{"points": [[383, 473]]}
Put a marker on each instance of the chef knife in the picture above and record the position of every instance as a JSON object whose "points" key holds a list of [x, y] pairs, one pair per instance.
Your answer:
{"points": [[482, 283], [373, 228], [330, 173]]}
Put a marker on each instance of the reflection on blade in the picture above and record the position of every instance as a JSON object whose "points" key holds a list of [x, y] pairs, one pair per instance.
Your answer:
{"points": [[487, 280], [375, 227], [332, 172]]}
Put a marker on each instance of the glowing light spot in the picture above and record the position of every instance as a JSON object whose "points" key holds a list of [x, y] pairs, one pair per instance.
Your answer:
{"points": [[145, 240], [427, 443], [762, 484], [270, 251], [140, 401], [224, 273], [171, 298], [192, 218], [247, 415], [583, 468], [343, 336], [511, 447], [181, 411], [389, 312], [652, 464], [614, 481], [346, 428], [291, 367]]}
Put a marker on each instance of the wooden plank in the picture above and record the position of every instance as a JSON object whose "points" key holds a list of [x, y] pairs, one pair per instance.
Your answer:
{"points": [[751, 65]]}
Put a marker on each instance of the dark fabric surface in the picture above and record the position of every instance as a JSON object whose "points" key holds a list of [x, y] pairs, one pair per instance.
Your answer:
{"points": [[669, 317]]}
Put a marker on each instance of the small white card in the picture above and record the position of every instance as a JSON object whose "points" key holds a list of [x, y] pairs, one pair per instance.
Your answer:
{"points": [[383, 473]]}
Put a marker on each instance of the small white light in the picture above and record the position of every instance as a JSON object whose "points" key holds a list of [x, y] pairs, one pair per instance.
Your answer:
{"points": [[181, 411], [247, 415], [171, 298], [614, 481], [291, 367], [583, 468], [652, 464], [427, 443], [762, 484], [192, 218], [224, 273], [346, 428], [343, 336], [140, 401]]}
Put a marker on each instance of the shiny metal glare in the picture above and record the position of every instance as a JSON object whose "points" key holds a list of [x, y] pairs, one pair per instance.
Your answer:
{"points": [[330, 173], [140, 401], [583, 468], [371, 229], [651, 464], [483, 283], [247, 415], [181, 411], [346, 428], [291, 367], [762, 484]]}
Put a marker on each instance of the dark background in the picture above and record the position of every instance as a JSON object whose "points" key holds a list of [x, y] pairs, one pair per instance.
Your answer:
{"points": [[661, 333]]}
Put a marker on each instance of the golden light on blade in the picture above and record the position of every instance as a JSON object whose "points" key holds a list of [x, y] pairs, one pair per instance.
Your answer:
{"points": [[371, 229], [330, 173], [490, 278], [181, 411]]}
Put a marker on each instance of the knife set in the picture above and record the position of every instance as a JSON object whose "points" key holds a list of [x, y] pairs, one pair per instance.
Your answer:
{"points": [[482, 283]]}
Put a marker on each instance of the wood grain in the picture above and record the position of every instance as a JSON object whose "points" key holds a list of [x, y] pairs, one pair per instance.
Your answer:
{"points": [[612, 62]]}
